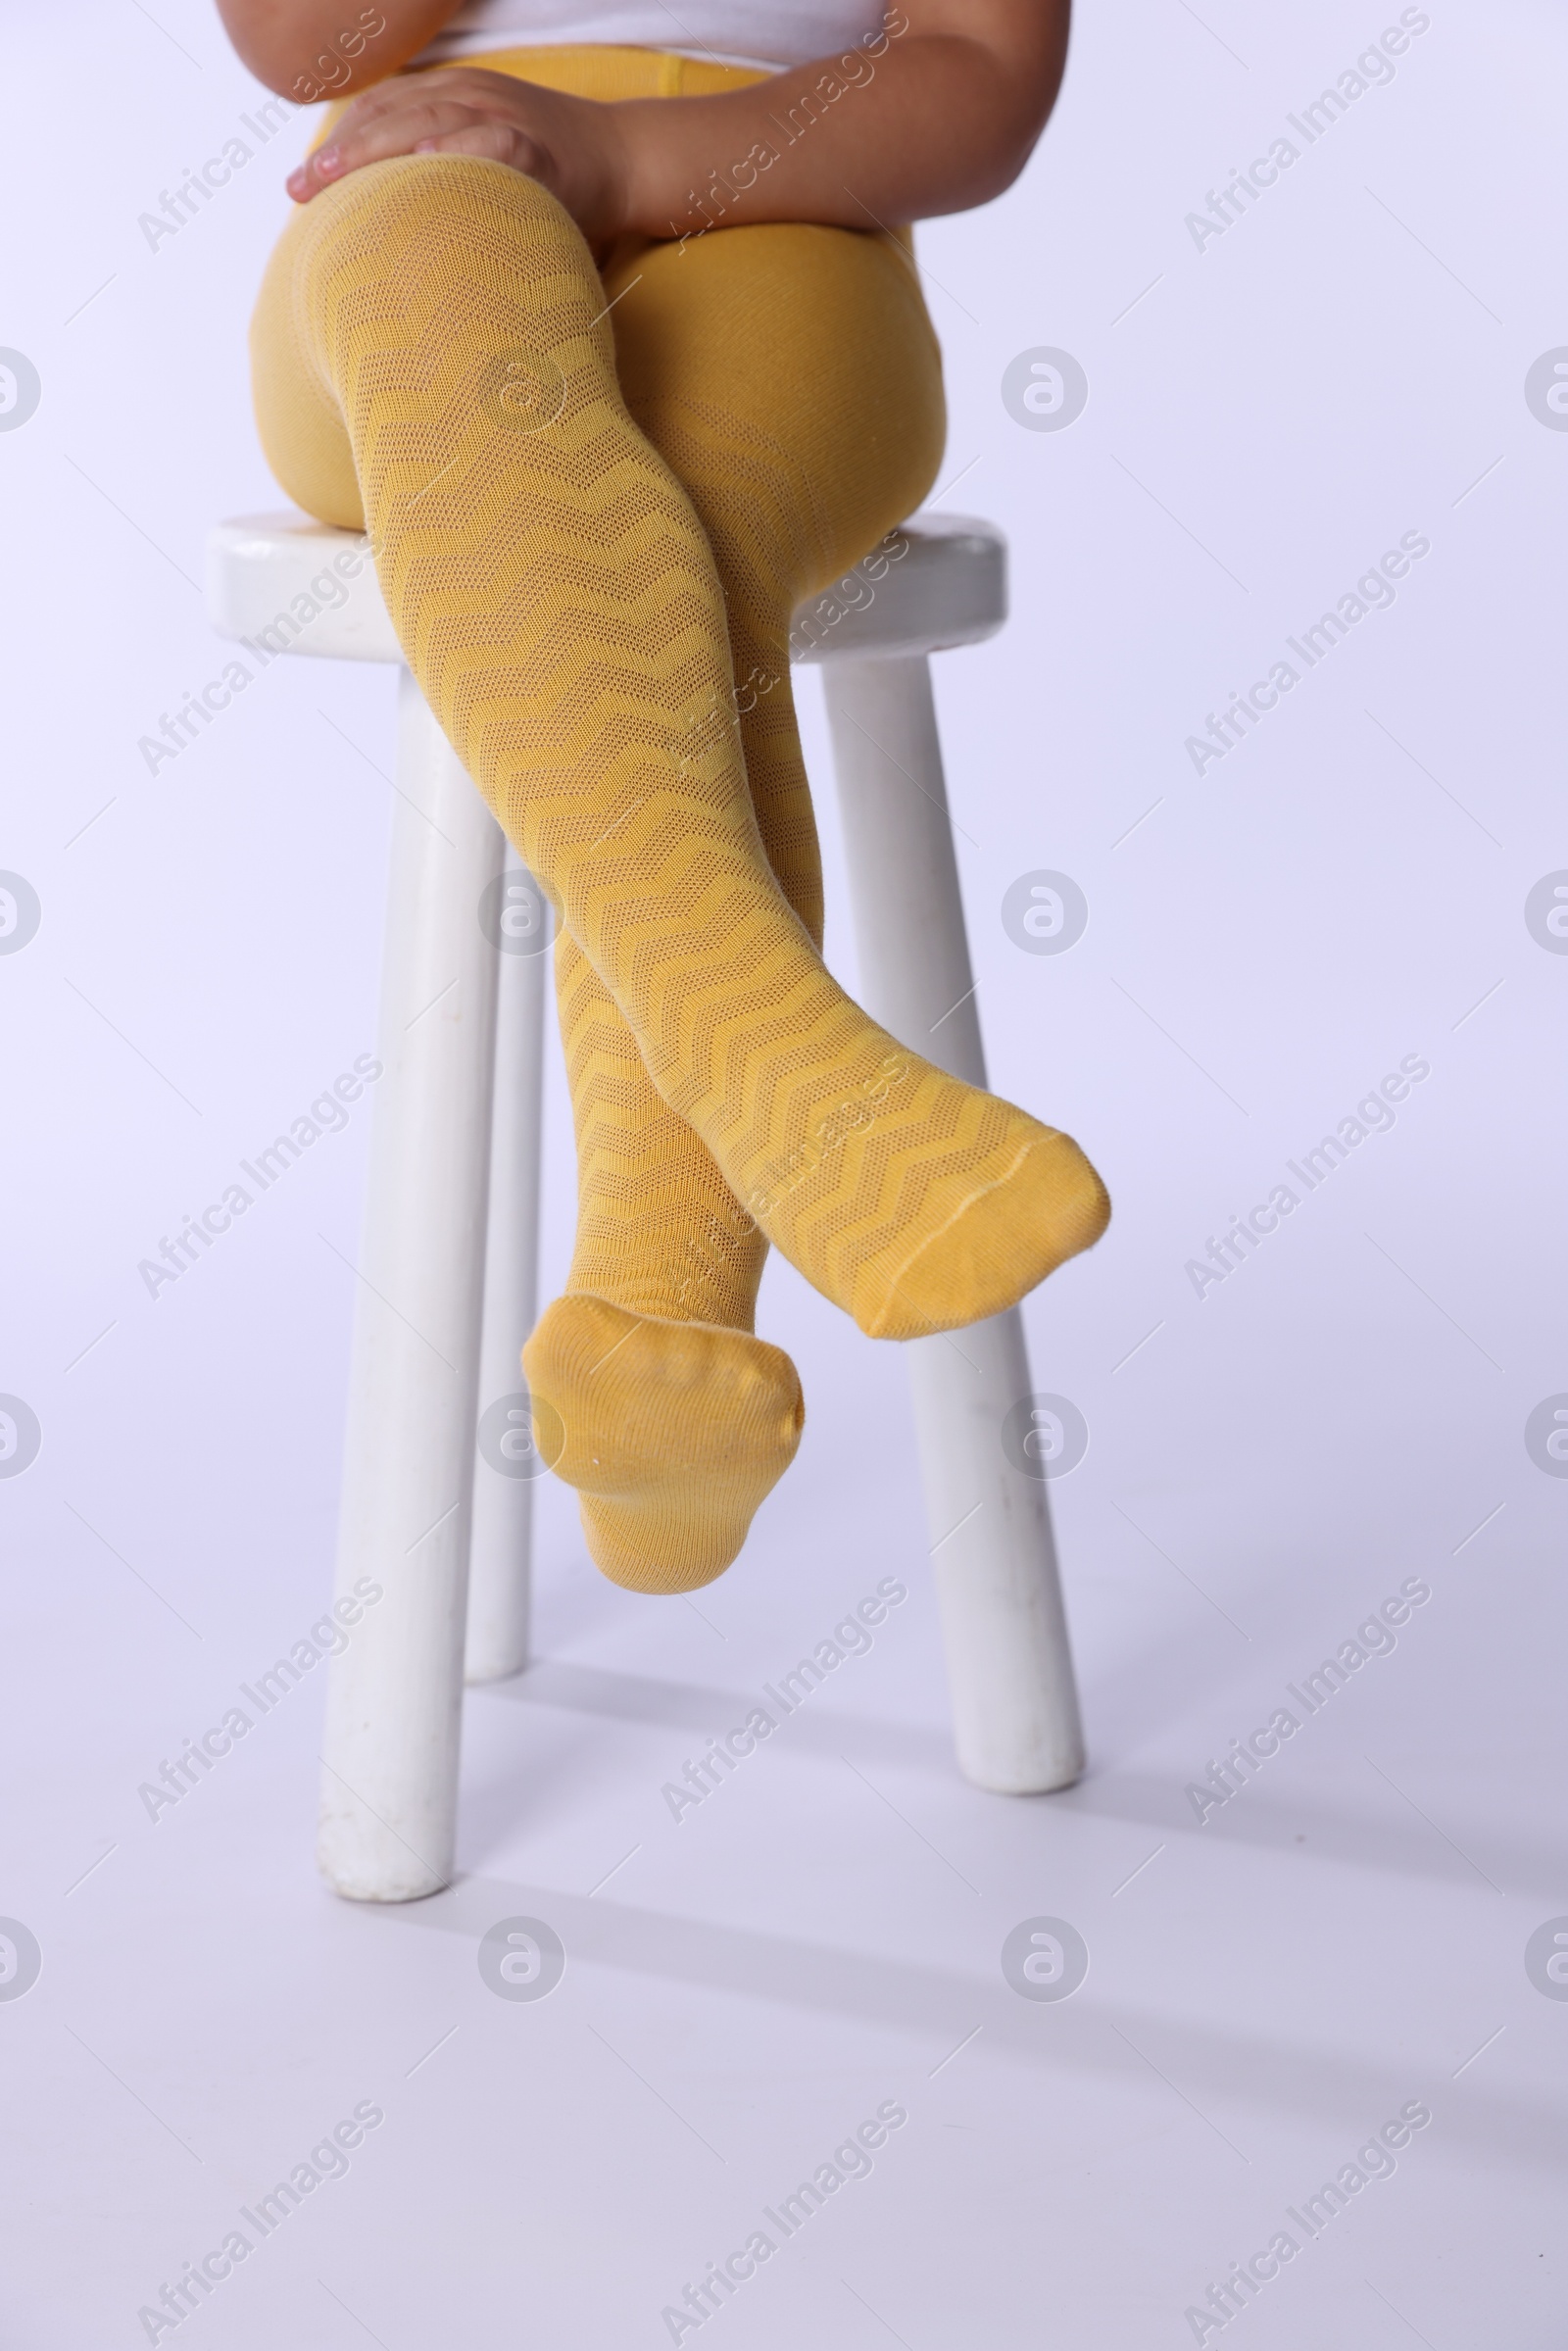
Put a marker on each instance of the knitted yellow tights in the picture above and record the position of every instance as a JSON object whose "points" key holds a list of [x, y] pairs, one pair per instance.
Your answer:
{"points": [[684, 1419], [452, 375]]}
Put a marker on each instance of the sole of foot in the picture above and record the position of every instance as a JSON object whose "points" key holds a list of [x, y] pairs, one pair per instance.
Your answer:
{"points": [[673, 1434]]}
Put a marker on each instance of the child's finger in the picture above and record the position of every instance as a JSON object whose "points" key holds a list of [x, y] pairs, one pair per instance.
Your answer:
{"points": [[397, 130], [491, 141]]}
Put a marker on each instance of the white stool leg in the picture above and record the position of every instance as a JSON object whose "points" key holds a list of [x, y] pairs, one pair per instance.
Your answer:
{"points": [[1009, 1667], [517, 924], [394, 1706]]}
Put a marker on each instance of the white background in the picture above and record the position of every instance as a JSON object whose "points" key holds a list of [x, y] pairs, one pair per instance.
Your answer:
{"points": [[1345, 364]]}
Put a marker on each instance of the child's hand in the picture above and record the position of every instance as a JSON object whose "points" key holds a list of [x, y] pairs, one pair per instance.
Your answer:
{"points": [[572, 146]]}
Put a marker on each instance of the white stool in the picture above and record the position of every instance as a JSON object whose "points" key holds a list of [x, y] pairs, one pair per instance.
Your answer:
{"points": [[446, 1290]]}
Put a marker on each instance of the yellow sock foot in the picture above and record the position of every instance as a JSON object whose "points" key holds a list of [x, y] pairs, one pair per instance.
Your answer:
{"points": [[984, 1234], [673, 1434], [920, 1204]]}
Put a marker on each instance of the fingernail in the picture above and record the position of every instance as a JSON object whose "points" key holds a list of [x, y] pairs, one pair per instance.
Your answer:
{"points": [[328, 162]]}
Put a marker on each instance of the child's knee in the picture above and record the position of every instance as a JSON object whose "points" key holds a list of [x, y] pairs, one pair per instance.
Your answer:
{"points": [[461, 198]]}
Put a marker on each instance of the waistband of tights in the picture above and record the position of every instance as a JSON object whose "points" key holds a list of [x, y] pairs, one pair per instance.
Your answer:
{"points": [[593, 70], [588, 70]]}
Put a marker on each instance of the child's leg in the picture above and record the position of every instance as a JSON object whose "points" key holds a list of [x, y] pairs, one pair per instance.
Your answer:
{"points": [[556, 597], [790, 378], [673, 1434], [651, 1395]]}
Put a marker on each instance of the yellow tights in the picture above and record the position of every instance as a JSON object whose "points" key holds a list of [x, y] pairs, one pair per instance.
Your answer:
{"points": [[594, 502]]}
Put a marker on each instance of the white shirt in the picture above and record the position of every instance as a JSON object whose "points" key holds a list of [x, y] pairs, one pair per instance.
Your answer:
{"points": [[734, 33]]}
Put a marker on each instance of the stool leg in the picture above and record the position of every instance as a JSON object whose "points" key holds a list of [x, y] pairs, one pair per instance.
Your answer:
{"points": [[506, 1461], [1009, 1666], [394, 1705]]}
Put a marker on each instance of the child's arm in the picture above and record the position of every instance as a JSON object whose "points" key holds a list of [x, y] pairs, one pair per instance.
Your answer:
{"points": [[938, 111], [311, 49]]}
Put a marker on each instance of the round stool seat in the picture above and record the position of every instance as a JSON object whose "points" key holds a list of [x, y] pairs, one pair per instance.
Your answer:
{"points": [[291, 585]]}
